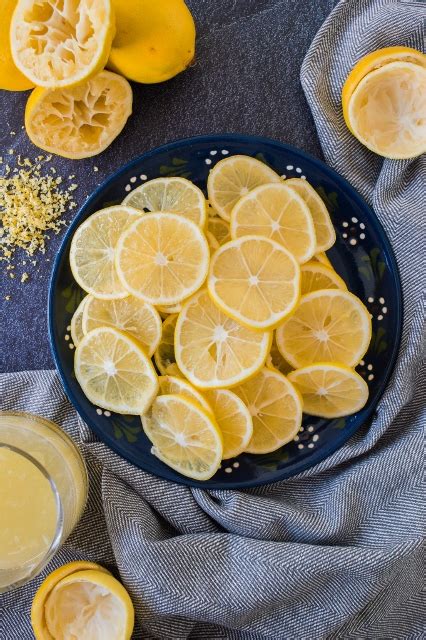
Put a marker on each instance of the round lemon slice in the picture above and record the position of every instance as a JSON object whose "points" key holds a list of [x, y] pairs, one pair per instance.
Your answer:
{"points": [[317, 276], [276, 361], [114, 371], [324, 231], [61, 44], [328, 325], [162, 258], [212, 350], [185, 436], [233, 419], [79, 122], [277, 212], [164, 356], [136, 317], [175, 195], [330, 390], [89, 604], [175, 385], [220, 229], [77, 333], [234, 177], [93, 250], [275, 407], [255, 281]]}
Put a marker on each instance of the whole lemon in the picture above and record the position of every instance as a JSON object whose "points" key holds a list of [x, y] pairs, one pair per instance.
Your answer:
{"points": [[155, 39], [11, 78]]}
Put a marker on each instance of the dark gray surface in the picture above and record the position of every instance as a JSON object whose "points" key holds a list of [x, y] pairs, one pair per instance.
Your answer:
{"points": [[245, 79]]}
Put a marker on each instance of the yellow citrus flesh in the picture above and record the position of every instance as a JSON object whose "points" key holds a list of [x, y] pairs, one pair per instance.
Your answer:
{"points": [[220, 229], [136, 317], [321, 256], [212, 242], [330, 390], [164, 357], [317, 276], [162, 258], [184, 436], [175, 195], [276, 361], [77, 333], [324, 231], [114, 371], [328, 325], [175, 385], [233, 419], [61, 44], [275, 407], [11, 79], [212, 350], [81, 121], [154, 41], [277, 212], [93, 248], [89, 604], [255, 281], [234, 177]]}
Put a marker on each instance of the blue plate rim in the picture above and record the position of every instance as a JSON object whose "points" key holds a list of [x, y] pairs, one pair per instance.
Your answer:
{"points": [[363, 416]]}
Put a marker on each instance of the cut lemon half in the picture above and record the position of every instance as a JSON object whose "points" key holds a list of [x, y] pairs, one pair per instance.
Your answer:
{"points": [[11, 79], [233, 419], [93, 249], [321, 256], [255, 281], [77, 333], [324, 231], [276, 361], [162, 258], [61, 44], [275, 407], [175, 195], [114, 371], [234, 177], [212, 350], [220, 229], [317, 276], [277, 212], [185, 436], [328, 325], [330, 390], [136, 317], [79, 122], [89, 604], [175, 385], [164, 357]]}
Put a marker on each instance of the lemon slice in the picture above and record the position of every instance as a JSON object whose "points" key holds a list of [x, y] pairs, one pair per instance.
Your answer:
{"points": [[114, 371], [276, 361], [175, 195], [232, 178], [329, 325], [330, 390], [185, 436], [175, 385], [212, 242], [89, 604], [162, 258], [220, 229], [164, 357], [275, 407], [321, 256], [61, 44], [317, 276], [324, 231], [82, 121], [136, 317], [255, 281], [93, 249], [212, 350], [233, 419], [168, 310], [277, 212], [77, 333]]}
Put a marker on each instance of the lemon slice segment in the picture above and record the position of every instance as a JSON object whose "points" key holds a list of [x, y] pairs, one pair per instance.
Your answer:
{"points": [[233, 419], [93, 250], [61, 44], [175, 195], [277, 212], [212, 242], [162, 258], [321, 256], [255, 281], [79, 122], [330, 390], [324, 231], [77, 333], [184, 436], [212, 350], [276, 361], [136, 317], [114, 371], [220, 229], [164, 357], [175, 385], [234, 177], [275, 407], [329, 325], [317, 276]]}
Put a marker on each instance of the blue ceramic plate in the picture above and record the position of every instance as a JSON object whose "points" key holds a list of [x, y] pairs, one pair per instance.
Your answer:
{"points": [[362, 255]]}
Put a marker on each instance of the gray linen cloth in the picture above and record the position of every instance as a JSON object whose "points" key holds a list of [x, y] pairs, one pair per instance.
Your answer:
{"points": [[335, 552]]}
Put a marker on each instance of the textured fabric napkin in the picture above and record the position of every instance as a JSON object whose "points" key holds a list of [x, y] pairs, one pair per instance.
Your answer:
{"points": [[335, 552]]}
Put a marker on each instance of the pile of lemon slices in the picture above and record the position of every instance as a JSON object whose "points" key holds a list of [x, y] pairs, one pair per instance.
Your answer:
{"points": [[233, 303]]}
